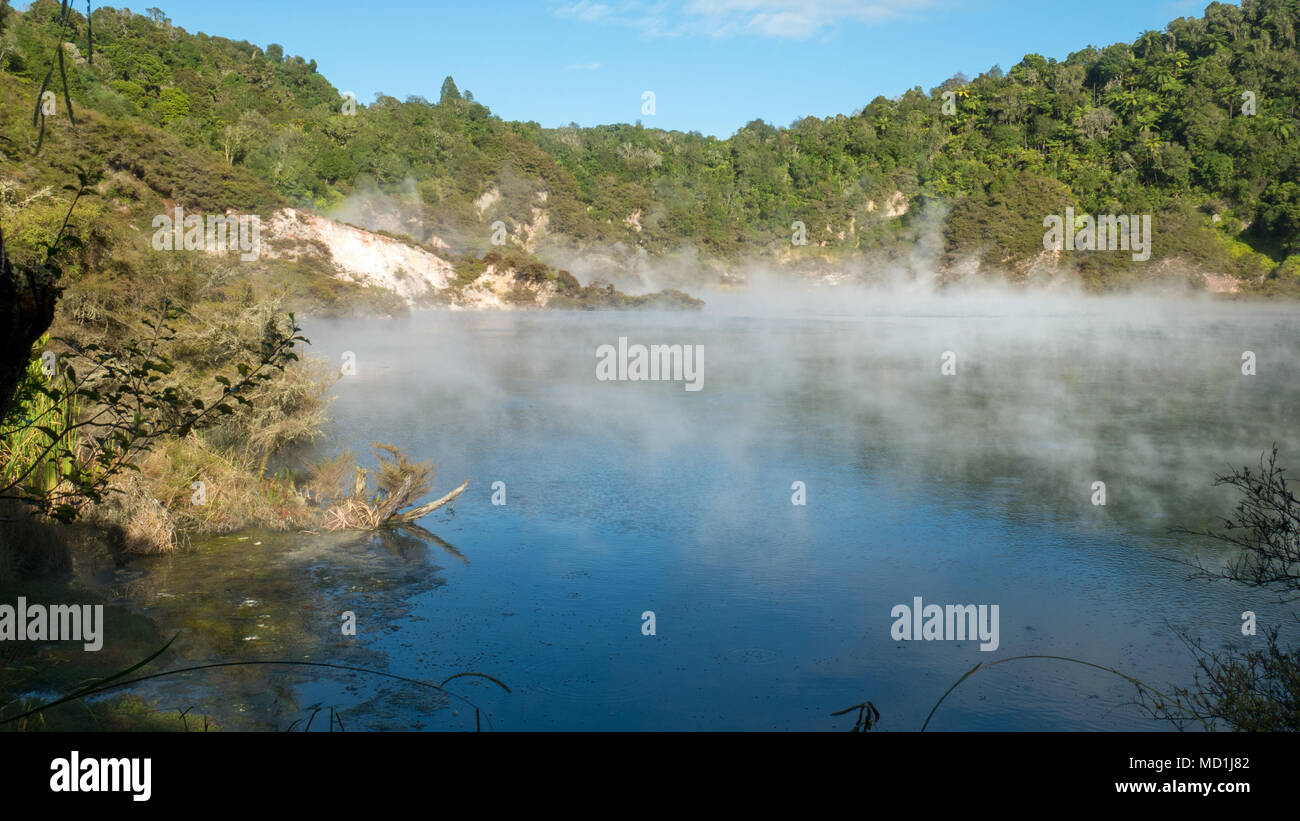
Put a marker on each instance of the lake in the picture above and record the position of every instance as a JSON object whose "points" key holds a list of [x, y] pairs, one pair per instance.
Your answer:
{"points": [[948, 449]]}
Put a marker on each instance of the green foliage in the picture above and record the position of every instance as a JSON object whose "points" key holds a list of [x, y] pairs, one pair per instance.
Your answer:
{"points": [[449, 91], [1154, 126], [1007, 219], [468, 269], [130, 401], [1289, 270], [38, 450], [172, 105]]}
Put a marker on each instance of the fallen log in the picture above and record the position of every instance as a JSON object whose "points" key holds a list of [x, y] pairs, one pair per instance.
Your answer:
{"points": [[388, 508], [424, 510], [399, 481], [357, 514]]}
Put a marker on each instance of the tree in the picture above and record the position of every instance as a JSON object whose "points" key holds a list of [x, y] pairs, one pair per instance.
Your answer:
{"points": [[1279, 206], [172, 105], [1149, 40], [449, 91], [234, 139]]}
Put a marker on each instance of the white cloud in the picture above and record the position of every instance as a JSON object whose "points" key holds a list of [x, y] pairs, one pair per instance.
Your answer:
{"points": [[789, 19], [584, 10]]}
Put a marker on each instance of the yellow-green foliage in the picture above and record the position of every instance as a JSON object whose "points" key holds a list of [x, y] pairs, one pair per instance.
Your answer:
{"points": [[1284, 280], [1247, 262], [29, 454], [1289, 270]]}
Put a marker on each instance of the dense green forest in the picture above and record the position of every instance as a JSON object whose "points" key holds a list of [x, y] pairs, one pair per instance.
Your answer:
{"points": [[1196, 124]]}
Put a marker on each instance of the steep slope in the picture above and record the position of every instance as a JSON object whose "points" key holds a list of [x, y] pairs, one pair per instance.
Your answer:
{"points": [[1194, 125]]}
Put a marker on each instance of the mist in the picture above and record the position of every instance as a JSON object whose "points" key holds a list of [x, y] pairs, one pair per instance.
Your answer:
{"points": [[1052, 389]]}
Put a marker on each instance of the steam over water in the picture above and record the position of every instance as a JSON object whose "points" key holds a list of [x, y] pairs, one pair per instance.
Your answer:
{"points": [[975, 488], [631, 496]]}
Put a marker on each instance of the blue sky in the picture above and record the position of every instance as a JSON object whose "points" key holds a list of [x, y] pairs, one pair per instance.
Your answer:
{"points": [[713, 65]]}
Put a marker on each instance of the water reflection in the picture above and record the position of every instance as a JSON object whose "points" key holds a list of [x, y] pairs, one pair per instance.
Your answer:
{"points": [[260, 596], [628, 497]]}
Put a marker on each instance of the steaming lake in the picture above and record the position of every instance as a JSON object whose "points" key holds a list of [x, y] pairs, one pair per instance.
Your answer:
{"points": [[625, 497]]}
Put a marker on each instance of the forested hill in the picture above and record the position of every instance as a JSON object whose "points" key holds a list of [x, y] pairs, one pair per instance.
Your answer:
{"points": [[1196, 125]]}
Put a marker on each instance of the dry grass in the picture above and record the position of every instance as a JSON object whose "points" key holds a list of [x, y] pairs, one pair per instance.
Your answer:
{"points": [[191, 487], [217, 483], [352, 514], [285, 412], [400, 482], [397, 472], [150, 528], [332, 480]]}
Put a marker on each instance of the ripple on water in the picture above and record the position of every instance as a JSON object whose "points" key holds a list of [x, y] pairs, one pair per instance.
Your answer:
{"points": [[586, 693], [750, 655]]}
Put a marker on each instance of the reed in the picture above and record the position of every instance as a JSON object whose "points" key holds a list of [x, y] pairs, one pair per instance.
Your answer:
{"points": [[119, 680], [38, 444]]}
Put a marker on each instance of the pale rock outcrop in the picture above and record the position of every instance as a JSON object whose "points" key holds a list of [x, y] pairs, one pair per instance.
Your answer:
{"points": [[361, 256], [493, 289], [487, 200]]}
